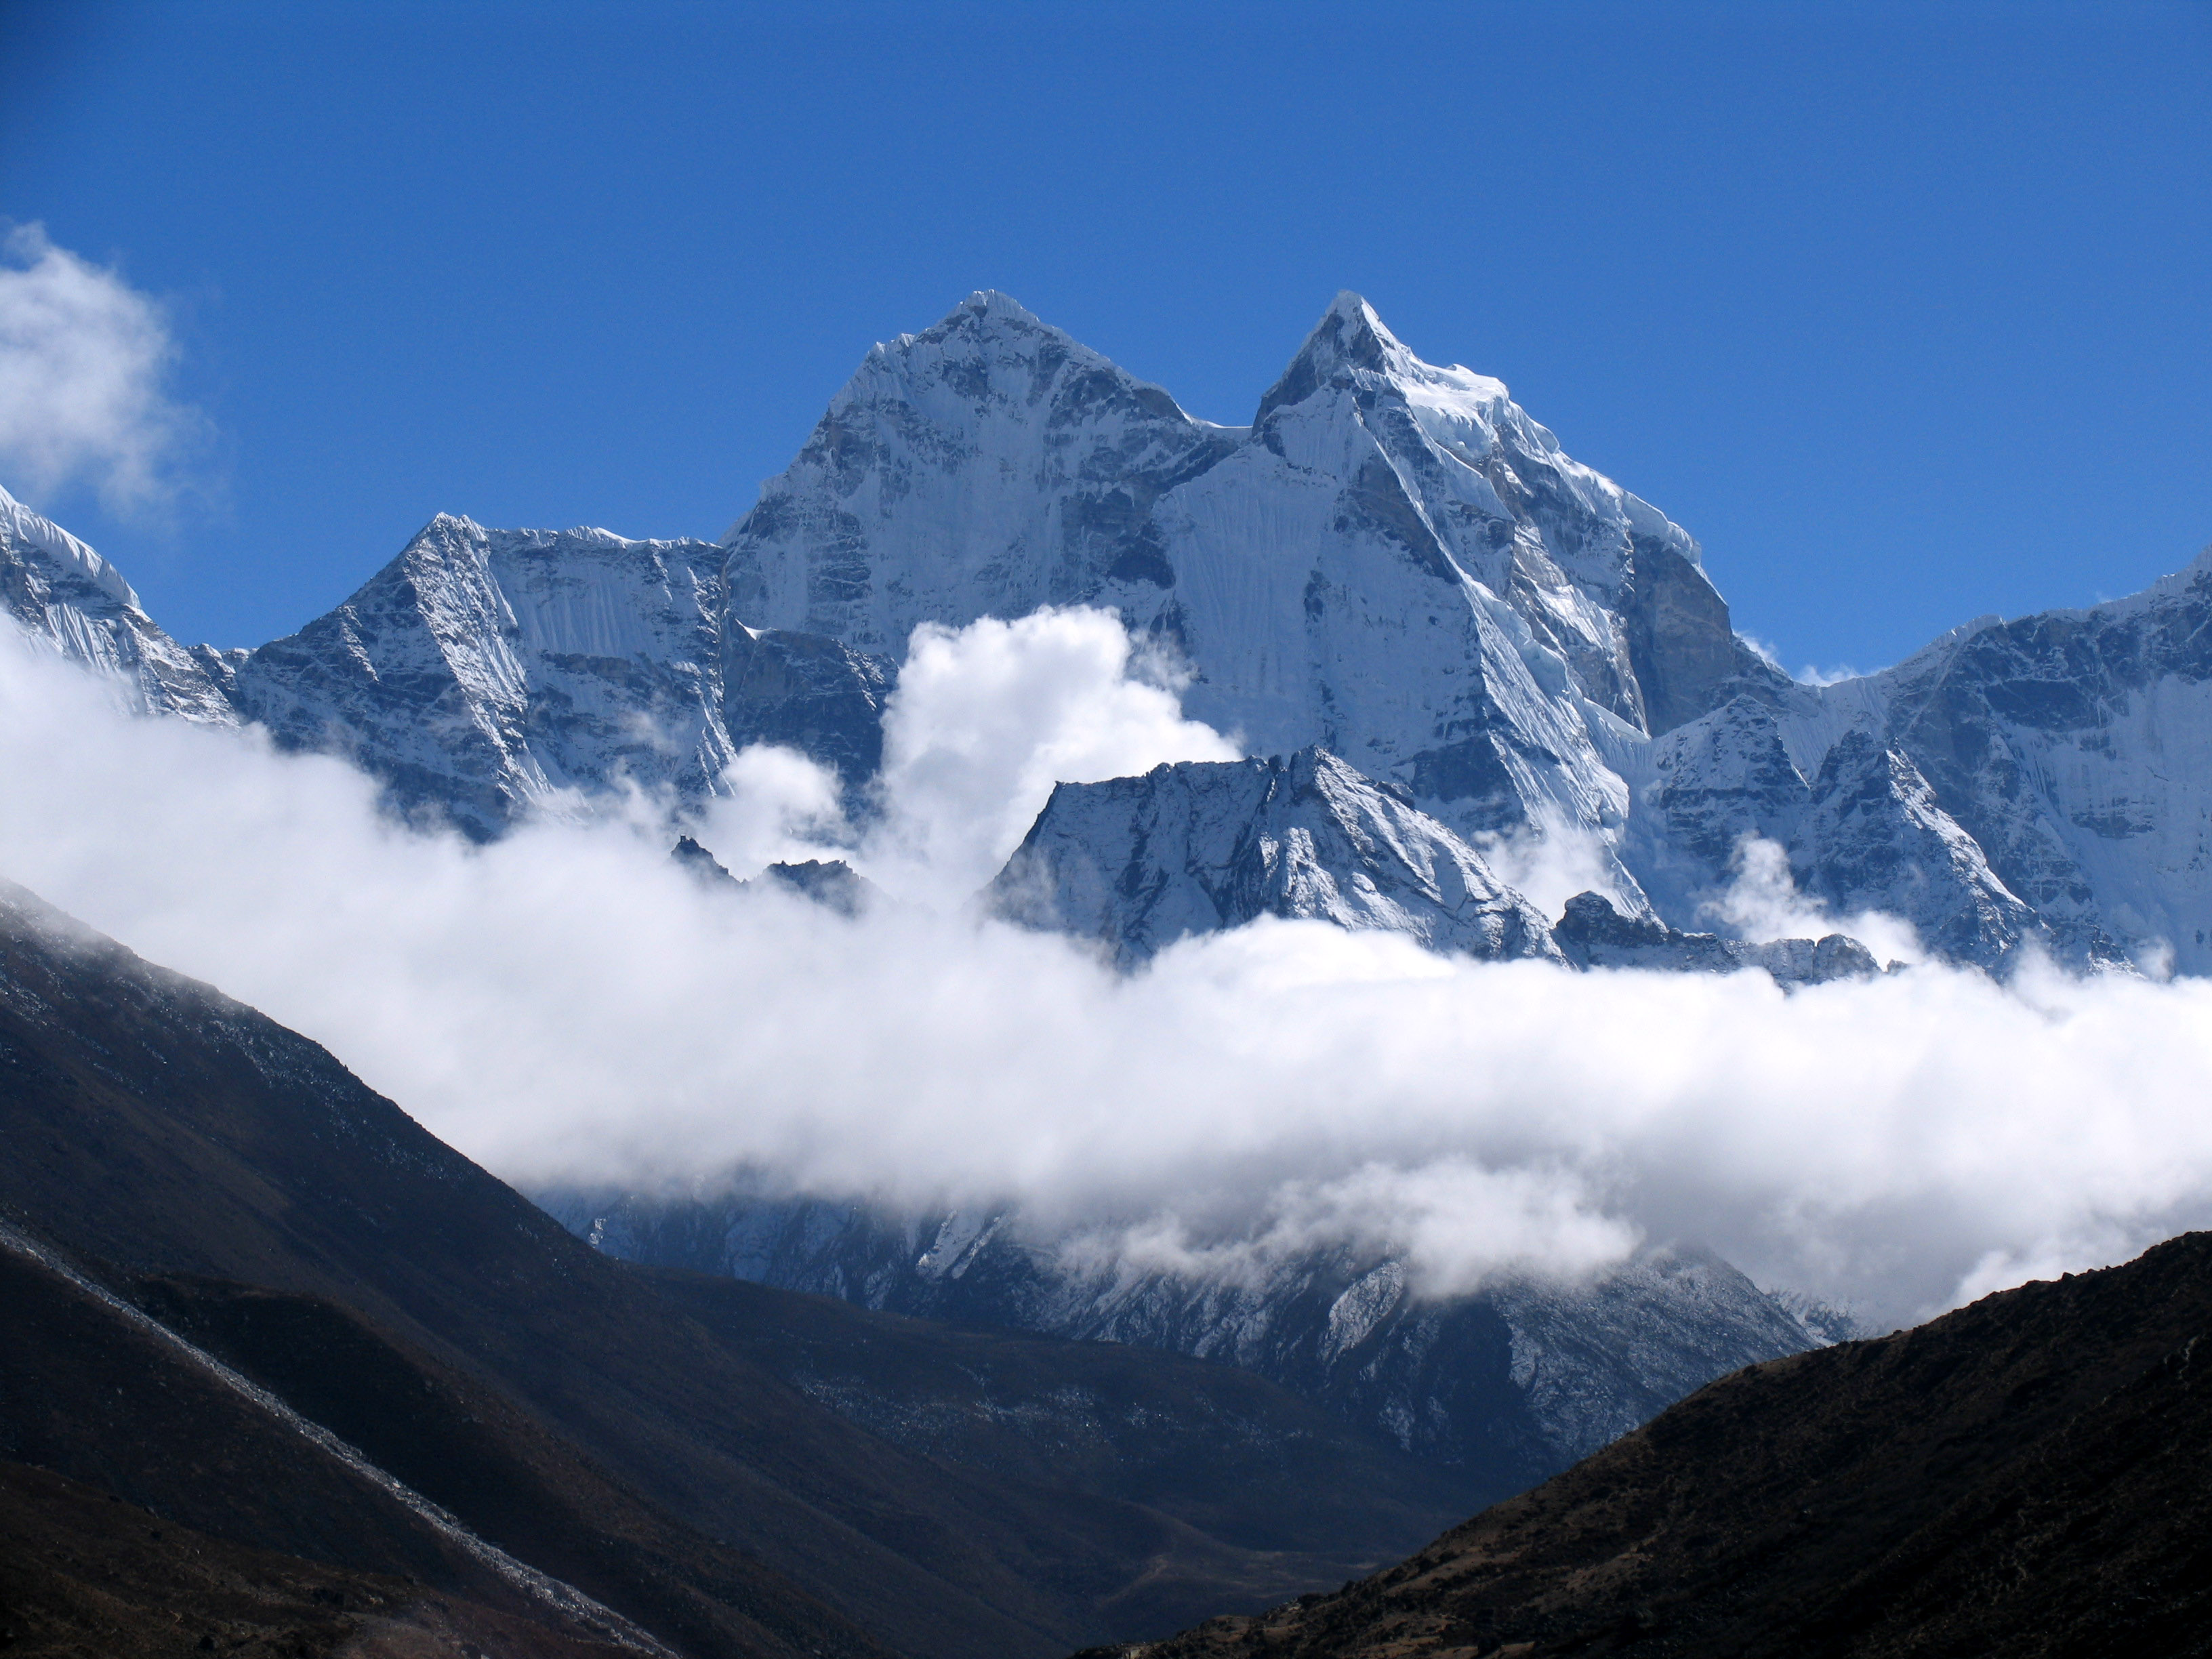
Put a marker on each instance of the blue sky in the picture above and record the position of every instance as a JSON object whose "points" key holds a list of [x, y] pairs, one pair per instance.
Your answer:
{"points": [[1904, 311]]}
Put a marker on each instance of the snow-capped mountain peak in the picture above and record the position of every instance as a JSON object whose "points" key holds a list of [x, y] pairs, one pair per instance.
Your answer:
{"points": [[19, 523], [1350, 340], [69, 599]]}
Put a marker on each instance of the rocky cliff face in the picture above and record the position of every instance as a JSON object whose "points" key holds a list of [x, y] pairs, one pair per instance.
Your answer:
{"points": [[1139, 863]]}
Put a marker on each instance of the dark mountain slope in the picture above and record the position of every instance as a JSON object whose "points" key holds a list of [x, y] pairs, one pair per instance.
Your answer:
{"points": [[88, 1393], [2029, 1476], [234, 1180], [83, 1573], [1222, 1453]]}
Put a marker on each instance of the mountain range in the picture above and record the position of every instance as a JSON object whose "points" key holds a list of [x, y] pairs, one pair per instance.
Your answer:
{"points": [[1394, 563], [1437, 639]]}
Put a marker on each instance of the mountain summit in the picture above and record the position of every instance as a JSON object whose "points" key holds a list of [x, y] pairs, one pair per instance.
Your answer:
{"points": [[1349, 338], [1395, 563]]}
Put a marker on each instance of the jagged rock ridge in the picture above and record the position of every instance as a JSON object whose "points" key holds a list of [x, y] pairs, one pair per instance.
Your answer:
{"points": [[1196, 847], [1594, 934]]}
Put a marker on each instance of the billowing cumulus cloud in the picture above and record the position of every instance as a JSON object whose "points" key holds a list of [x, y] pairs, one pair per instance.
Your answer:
{"points": [[84, 360], [567, 1004], [988, 718]]}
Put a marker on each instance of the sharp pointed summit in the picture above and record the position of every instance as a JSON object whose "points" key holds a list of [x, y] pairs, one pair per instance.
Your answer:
{"points": [[1352, 341], [1350, 336]]}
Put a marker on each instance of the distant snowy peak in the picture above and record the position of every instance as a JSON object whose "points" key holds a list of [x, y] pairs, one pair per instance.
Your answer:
{"points": [[484, 673], [1351, 339], [1864, 831], [1139, 863], [71, 559], [2072, 746], [73, 602], [2040, 782], [985, 466]]}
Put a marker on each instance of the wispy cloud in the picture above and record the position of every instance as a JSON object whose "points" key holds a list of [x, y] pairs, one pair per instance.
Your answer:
{"points": [[84, 363], [1809, 675]]}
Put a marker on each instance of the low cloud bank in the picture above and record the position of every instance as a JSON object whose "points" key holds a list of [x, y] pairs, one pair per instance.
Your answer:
{"points": [[566, 1004]]}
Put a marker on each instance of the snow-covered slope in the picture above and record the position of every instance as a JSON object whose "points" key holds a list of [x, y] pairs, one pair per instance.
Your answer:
{"points": [[1394, 561], [1139, 863], [2045, 781], [2075, 748], [1511, 1384], [72, 601], [484, 673]]}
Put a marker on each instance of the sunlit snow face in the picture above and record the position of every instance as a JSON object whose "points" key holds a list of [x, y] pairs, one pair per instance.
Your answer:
{"points": [[567, 1004]]}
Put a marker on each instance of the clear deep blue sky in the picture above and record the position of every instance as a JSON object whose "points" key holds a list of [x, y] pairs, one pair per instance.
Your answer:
{"points": [[1905, 312]]}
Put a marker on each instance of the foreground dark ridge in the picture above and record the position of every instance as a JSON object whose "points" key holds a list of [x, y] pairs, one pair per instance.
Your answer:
{"points": [[2026, 1478], [570, 1605], [218, 1218], [82, 1572]]}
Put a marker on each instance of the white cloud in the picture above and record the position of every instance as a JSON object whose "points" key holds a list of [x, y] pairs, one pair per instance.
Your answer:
{"points": [[1548, 863], [987, 718], [1453, 1223], [84, 360], [1770, 655], [566, 1003], [781, 805], [1762, 902]]}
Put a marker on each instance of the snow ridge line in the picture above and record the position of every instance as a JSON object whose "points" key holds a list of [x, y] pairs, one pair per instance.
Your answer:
{"points": [[601, 1621]]}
